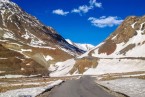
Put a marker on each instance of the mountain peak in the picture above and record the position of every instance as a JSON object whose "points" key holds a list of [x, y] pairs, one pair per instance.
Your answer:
{"points": [[69, 41], [83, 46], [30, 42], [4, 0], [3, 4]]}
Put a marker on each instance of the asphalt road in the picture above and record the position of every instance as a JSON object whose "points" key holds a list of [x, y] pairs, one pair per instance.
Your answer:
{"points": [[83, 87]]}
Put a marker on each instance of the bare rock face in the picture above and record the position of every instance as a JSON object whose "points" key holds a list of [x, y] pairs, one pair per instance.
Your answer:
{"points": [[124, 32], [108, 48], [28, 46]]}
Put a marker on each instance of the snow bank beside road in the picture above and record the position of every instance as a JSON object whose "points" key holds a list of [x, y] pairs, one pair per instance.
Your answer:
{"points": [[132, 87], [29, 92]]}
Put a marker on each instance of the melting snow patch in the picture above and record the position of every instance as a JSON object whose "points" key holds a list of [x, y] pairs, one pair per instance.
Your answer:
{"points": [[28, 64], [129, 86], [2, 72], [133, 25], [22, 69], [114, 37], [46, 47], [36, 42], [4, 1], [29, 92], [17, 76], [26, 50], [62, 68], [47, 58], [17, 26], [3, 58], [27, 35], [106, 66], [8, 35], [3, 40], [15, 44], [20, 52], [12, 76]]}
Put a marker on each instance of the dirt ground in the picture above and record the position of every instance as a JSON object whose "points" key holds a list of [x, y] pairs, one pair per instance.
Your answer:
{"points": [[19, 83]]}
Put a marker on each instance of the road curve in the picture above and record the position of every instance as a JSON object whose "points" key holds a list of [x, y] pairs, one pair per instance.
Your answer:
{"points": [[83, 87]]}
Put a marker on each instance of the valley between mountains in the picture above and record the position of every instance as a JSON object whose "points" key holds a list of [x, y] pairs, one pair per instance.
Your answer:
{"points": [[36, 61]]}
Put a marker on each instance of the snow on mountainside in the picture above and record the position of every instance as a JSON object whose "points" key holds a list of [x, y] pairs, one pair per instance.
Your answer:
{"points": [[82, 46], [29, 47], [61, 68], [26, 45], [122, 52], [127, 41]]}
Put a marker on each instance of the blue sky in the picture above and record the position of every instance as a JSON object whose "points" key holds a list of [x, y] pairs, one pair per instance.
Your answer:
{"points": [[83, 21]]}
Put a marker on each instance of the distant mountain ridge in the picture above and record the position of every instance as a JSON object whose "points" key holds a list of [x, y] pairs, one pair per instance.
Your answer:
{"points": [[82, 46]]}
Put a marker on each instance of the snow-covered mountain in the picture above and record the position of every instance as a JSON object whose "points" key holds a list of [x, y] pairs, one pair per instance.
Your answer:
{"points": [[26, 45], [121, 53], [127, 41], [29, 47], [82, 46]]}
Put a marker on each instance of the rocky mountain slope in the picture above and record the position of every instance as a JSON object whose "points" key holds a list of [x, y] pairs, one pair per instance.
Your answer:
{"points": [[127, 41], [121, 53], [85, 47], [26, 45]]}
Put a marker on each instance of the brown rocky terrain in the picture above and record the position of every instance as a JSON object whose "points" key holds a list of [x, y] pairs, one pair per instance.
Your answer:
{"points": [[83, 64], [121, 53], [126, 35], [26, 44]]}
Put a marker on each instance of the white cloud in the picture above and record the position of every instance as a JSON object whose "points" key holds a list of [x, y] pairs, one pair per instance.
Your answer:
{"points": [[94, 3], [60, 12], [86, 8], [105, 21], [76, 11], [83, 9]]}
